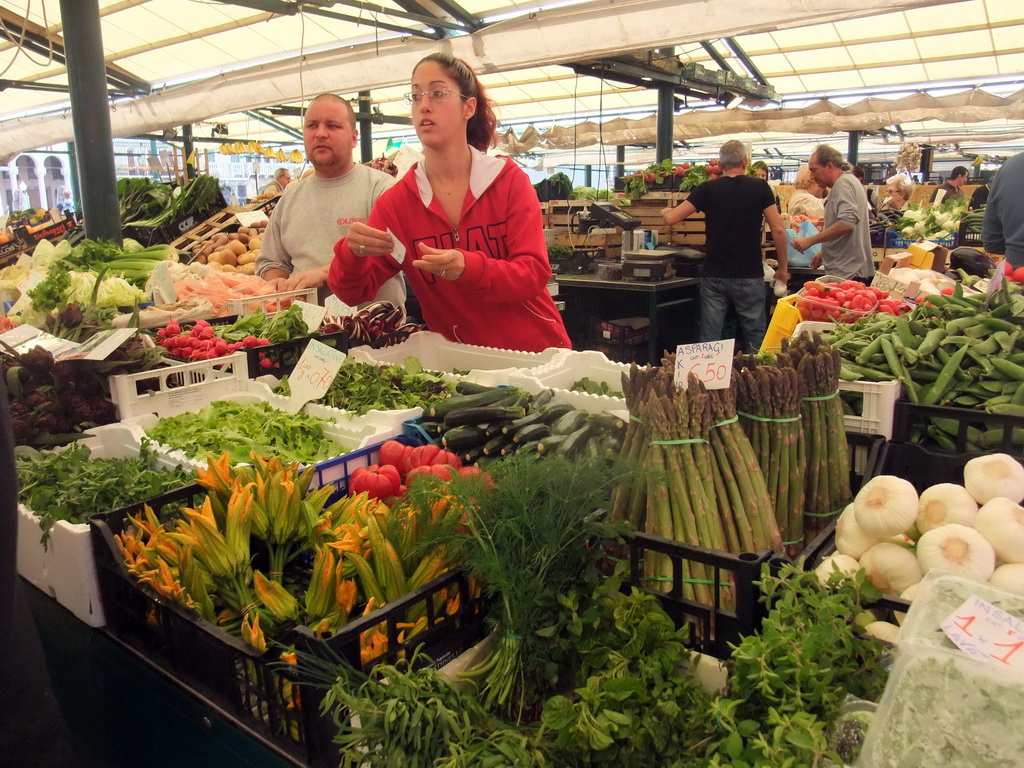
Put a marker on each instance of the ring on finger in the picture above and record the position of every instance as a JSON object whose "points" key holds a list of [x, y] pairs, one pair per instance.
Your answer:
{"points": [[442, 272], [362, 248]]}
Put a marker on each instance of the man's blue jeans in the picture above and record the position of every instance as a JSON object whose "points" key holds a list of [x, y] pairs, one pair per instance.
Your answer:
{"points": [[746, 295]]}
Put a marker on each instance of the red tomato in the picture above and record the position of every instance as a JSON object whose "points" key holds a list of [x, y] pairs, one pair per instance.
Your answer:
{"points": [[396, 454], [441, 471], [1007, 268], [878, 293], [946, 291], [1018, 275], [429, 455], [838, 295], [379, 482]]}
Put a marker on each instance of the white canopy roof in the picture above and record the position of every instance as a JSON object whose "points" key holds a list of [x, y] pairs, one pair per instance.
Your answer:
{"points": [[214, 62]]}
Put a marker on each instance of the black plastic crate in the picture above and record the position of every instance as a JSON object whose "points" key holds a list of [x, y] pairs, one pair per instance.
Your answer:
{"points": [[620, 352], [976, 430], [736, 608], [969, 237]]}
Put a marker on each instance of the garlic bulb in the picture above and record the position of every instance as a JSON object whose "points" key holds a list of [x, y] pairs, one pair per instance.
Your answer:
{"points": [[886, 506], [884, 631], [1009, 576], [945, 503], [955, 548], [891, 568], [837, 562], [850, 539], [1001, 521], [994, 475]]}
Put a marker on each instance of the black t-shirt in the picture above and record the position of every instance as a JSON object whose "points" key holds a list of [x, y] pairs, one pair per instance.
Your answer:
{"points": [[733, 207]]}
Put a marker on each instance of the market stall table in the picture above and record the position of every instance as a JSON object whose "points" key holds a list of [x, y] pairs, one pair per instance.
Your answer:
{"points": [[661, 295]]}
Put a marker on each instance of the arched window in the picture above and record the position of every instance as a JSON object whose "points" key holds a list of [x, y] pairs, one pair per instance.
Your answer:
{"points": [[27, 192]]}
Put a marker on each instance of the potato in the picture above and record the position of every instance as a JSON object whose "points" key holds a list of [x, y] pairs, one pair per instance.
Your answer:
{"points": [[243, 237], [236, 247], [219, 239], [255, 242], [244, 231], [232, 236], [228, 268], [247, 258], [202, 258], [247, 269]]}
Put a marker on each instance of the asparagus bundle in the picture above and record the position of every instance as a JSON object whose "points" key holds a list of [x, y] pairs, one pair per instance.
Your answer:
{"points": [[827, 488], [743, 490], [768, 402]]}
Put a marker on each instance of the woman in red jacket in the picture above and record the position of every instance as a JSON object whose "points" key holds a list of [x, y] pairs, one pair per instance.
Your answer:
{"points": [[465, 227]]}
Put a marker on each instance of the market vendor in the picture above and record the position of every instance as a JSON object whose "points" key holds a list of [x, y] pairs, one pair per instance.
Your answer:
{"points": [[463, 226], [846, 239], [315, 211]]}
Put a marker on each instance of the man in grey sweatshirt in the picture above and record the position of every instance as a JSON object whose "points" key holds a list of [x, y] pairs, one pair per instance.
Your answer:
{"points": [[1003, 230], [315, 212]]}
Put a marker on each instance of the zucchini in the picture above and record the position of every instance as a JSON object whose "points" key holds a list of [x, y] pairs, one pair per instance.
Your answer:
{"points": [[569, 423], [495, 428], [531, 433], [464, 387], [442, 408], [484, 414], [472, 456], [574, 442], [607, 421], [430, 427], [543, 398], [532, 447], [463, 438], [551, 443], [493, 446], [537, 417], [553, 413]]}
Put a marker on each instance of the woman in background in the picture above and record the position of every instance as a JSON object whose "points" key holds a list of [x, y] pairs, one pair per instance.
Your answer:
{"points": [[898, 191], [464, 227], [807, 197]]}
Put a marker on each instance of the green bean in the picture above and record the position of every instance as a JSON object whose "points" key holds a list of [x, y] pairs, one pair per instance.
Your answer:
{"points": [[871, 349], [945, 380], [1010, 369], [999, 325], [931, 341]]}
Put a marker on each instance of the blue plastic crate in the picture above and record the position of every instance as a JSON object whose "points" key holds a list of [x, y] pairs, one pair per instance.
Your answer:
{"points": [[892, 241]]}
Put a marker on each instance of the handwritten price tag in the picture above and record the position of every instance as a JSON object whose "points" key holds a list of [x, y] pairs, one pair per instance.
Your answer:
{"points": [[985, 632], [312, 314], [337, 308], [709, 361], [994, 284], [313, 374]]}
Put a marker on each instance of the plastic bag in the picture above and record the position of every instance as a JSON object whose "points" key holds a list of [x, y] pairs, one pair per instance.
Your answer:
{"points": [[797, 259]]}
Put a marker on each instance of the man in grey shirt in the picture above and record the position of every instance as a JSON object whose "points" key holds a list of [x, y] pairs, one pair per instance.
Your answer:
{"points": [[315, 212], [845, 240]]}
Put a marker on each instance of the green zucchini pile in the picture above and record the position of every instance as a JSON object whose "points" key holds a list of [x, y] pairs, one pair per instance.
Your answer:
{"points": [[479, 423]]}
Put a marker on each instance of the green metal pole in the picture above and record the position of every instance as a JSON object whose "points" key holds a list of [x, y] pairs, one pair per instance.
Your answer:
{"points": [[90, 117], [365, 128]]}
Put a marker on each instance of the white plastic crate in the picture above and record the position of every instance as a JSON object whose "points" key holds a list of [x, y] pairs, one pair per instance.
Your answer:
{"points": [[65, 568], [271, 303], [879, 406], [565, 370], [809, 326], [486, 365], [179, 388]]}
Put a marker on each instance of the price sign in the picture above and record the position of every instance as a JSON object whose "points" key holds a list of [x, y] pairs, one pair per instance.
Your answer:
{"points": [[709, 361], [248, 218], [985, 632], [312, 314], [337, 308], [994, 284], [313, 374], [161, 284]]}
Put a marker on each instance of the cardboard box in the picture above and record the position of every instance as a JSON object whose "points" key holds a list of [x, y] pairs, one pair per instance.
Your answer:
{"points": [[894, 261], [928, 255]]}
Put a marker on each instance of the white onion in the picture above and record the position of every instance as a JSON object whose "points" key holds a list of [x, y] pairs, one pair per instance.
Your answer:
{"points": [[883, 630], [845, 564], [891, 568], [956, 549], [850, 539], [1009, 576], [994, 475], [886, 506], [1001, 521], [945, 503]]}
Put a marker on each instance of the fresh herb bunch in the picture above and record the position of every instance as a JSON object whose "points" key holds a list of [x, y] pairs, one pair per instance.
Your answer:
{"points": [[533, 533], [281, 326], [53, 291], [70, 485], [361, 387], [788, 681], [591, 387], [632, 704], [239, 428]]}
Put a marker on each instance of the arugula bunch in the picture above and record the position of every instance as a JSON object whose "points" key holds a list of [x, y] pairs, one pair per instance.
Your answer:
{"points": [[71, 485]]}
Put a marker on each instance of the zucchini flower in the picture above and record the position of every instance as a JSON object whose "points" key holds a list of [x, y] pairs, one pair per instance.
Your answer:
{"points": [[281, 604]]}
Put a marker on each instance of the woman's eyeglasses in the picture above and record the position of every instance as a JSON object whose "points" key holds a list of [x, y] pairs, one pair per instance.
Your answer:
{"points": [[438, 95]]}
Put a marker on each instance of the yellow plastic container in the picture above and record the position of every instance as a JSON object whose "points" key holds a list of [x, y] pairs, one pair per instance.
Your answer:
{"points": [[784, 322]]}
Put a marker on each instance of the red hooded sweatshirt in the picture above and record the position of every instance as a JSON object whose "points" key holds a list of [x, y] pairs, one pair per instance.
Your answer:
{"points": [[501, 299]]}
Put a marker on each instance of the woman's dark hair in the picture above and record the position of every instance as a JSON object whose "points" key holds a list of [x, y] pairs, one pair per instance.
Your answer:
{"points": [[482, 126]]}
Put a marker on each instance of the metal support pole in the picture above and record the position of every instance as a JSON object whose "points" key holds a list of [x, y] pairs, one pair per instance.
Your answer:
{"points": [[926, 163], [853, 147], [620, 161], [188, 147], [588, 175], [90, 118], [665, 123], [76, 183], [365, 128]]}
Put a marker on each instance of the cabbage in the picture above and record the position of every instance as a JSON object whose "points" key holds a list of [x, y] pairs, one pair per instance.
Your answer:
{"points": [[11, 276], [583, 193], [114, 291], [130, 246]]}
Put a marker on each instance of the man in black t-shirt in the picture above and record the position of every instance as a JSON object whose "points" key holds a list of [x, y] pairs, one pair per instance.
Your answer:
{"points": [[735, 207]]}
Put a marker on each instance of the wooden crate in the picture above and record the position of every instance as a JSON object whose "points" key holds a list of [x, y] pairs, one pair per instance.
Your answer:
{"points": [[216, 223]]}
